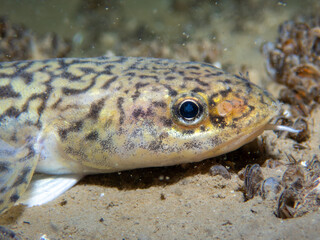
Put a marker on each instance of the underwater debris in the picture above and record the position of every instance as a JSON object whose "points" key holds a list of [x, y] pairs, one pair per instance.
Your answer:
{"points": [[304, 134], [220, 170], [19, 43], [303, 195], [300, 123], [294, 61], [300, 185], [270, 187], [287, 203], [302, 192], [253, 178], [255, 184]]}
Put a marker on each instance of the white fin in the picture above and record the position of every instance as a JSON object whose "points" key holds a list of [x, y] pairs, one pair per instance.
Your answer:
{"points": [[44, 188], [282, 128]]}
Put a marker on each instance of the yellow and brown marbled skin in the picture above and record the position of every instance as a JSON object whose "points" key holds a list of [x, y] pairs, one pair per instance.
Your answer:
{"points": [[95, 115]]}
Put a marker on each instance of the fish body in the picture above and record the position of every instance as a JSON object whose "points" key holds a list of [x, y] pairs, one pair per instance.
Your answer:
{"points": [[79, 116]]}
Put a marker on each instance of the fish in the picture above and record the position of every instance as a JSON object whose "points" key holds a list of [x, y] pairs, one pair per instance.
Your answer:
{"points": [[67, 118]]}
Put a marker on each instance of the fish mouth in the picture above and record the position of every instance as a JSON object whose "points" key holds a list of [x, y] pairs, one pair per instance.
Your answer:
{"points": [[239, 141]]}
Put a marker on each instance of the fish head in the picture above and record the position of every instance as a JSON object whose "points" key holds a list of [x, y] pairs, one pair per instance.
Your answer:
{"points": [[202, 114]]}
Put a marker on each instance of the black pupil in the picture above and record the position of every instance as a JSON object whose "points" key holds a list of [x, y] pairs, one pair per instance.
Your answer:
{"points": [[189, 109]]}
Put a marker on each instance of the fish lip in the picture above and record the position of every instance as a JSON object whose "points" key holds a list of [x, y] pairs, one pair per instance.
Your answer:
{"points": [[249, 135]]}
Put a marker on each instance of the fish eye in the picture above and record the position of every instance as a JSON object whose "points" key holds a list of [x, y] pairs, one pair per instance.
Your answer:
{"points": [[189, 109]]}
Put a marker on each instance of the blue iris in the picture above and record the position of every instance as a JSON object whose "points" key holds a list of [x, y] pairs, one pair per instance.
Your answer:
{"points": [[189, 109]]}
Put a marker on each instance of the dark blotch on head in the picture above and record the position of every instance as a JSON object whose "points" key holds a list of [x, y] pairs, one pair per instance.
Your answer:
{"points": [[196, 73], [172, 92], [149, 76], [77, 126], [107, 144], [95, 109], [225, 93], [196, 80], [135, 95], [212, 103], [92, 136], [197, 89], [130, 74], [138, 112], [154, 145], [167, 122], [159, 104], [170, 78], [120, 101], [163, 135], [188, 132], [192, 145], [63, 133], [141, 85], [226, 81], [109, 82], [218, 121], [202, 128], [181, 73], [149, 112], [193, 67], [215, 141], [208, 75]]}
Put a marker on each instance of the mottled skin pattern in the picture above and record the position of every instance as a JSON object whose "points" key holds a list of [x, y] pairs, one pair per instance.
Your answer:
{"points": [[97, 115]]}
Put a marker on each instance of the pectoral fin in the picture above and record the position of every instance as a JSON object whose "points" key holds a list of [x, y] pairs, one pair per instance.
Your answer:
{"points": [[44, 188], [17, 166]]}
